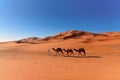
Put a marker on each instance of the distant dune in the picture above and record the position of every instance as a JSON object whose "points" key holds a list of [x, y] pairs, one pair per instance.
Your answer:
{"points": [[73, 34]]}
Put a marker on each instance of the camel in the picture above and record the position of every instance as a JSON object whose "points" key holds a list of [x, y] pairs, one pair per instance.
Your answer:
{"points": [[57, 50], [80, 50], [69, 51]]}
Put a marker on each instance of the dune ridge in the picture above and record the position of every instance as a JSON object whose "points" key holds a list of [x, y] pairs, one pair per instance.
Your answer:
{"points": [[73, 34]]}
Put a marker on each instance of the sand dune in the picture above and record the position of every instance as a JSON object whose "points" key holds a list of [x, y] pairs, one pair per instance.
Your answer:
{"points": [[25, 61], [73, 34]]}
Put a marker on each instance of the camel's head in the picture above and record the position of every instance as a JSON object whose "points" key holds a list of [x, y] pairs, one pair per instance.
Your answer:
{"points": [[64, 49], [53, 48]]}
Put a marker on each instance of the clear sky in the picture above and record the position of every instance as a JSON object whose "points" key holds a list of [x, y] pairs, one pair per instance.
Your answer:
{"points": [[28, 18]]}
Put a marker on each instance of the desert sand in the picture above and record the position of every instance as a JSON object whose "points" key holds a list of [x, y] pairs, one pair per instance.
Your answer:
{"points": [[30, 61]]}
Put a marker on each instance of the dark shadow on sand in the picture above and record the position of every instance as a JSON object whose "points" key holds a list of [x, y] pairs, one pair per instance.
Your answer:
{"points": [[79, 56], [84, 56]]}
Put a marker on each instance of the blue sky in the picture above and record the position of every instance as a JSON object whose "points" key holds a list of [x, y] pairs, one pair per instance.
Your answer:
{"points": [[27, 18]]}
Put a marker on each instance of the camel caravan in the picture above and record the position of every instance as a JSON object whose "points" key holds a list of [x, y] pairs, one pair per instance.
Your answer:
{"points": [[69, 52]]}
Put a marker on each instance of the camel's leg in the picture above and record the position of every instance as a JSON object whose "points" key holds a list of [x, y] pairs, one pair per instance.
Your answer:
{"points": [[84, 53], [59, 54], [67, 53], [79, 54], [56, 53], [72, 54], [62, 53]]}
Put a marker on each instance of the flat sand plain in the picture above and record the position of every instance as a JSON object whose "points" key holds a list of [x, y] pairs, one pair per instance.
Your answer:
{"points": [[31, 61]]}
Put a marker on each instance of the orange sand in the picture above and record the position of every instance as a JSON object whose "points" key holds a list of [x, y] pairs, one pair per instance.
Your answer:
{"points": [[30, 61]]}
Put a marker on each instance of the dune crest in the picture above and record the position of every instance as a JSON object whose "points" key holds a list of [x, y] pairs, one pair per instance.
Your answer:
{"points": [[73, 34]]}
